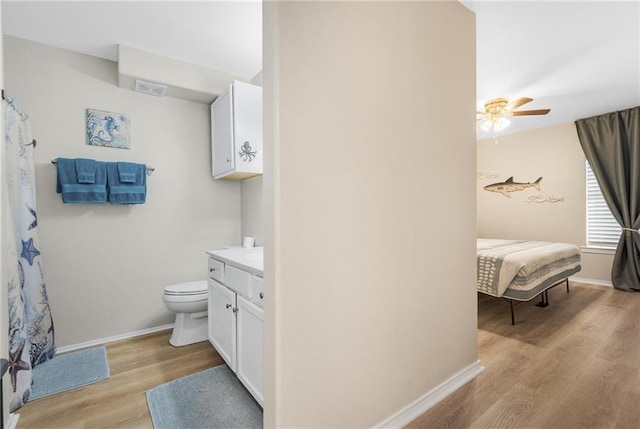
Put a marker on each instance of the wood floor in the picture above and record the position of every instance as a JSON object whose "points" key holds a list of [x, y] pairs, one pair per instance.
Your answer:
{"points": [[119, 402], [574, 364]]}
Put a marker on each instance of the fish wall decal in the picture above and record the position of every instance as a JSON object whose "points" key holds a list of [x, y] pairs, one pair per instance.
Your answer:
{"points": [[509, 185], [483, 175], [544, 199]]}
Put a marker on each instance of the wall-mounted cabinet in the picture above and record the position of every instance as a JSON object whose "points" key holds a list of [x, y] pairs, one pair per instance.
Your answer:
{"points": [[236, 132]]}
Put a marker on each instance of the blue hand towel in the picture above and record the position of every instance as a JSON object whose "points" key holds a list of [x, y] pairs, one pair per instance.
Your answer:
{"points": [[86, 170], [127, 172], [74, 192], [123, 192]]}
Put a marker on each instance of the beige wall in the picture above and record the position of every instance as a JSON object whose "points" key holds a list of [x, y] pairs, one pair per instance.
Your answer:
{"points": [[370, 207], [106, 265], [554, 154]]}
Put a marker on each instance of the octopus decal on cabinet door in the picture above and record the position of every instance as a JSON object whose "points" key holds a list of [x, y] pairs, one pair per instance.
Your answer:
{"points": [[246, 152]]}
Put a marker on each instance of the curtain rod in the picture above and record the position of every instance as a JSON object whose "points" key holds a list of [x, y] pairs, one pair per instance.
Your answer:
{"points": [[33, 142], [149, 168]]}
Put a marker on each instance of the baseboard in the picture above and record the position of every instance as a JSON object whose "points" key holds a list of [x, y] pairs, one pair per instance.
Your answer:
{"points": [[591, 281], [431, 398], [101, 341], [12, 422]]}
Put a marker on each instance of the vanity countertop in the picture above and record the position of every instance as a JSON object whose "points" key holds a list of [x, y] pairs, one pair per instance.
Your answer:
{"points": [[248, 259]]}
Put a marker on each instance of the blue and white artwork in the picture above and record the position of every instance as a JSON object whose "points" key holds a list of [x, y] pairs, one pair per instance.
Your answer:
{"points": [[108, 129]]}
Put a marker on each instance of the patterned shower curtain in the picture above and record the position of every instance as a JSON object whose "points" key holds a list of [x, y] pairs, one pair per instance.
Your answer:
{"points": [[31, 336]]}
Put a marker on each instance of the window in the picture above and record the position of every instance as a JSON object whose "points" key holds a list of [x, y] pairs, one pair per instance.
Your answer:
{"points": [[603, 230]]}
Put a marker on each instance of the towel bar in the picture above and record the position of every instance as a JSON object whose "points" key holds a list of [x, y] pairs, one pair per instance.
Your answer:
{"points": [[149, 168]]}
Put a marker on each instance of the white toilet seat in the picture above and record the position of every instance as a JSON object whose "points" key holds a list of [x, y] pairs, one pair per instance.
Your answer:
{"points": [[188, 288], [176, 298]]}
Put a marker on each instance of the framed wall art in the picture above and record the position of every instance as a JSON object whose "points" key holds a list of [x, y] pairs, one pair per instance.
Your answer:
{"points": [[108, 129]]}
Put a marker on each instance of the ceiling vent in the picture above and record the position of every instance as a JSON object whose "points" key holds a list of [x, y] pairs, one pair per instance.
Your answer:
{"points": [[150, 88]]}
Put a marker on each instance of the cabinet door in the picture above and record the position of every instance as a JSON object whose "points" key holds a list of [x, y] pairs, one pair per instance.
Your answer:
{"points": [[222, 135], [250, 347], [247, 123], [222, 321]]}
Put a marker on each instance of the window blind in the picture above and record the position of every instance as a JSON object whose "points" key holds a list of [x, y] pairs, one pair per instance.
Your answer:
{"points": [[602, 228]]}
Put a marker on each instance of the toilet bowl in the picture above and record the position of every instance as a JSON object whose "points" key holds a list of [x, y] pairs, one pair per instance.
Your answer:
{"points": [[189, 302]]}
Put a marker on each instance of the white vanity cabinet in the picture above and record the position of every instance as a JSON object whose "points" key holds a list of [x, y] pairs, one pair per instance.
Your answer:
{"points": [[235, 320], [236, 132], [222, 324], [249, 340]]}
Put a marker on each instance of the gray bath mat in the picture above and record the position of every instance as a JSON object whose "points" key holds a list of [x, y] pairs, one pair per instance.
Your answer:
{"points": [[213, 398], [69, 371]]}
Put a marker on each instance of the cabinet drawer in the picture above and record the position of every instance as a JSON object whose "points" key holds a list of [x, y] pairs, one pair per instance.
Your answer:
{"points": [[216, 270], [238, 280], [257, 292]]}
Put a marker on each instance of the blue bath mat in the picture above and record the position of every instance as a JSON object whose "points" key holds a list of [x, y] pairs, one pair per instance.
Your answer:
{"points": [[69, 371], [213, 398]]}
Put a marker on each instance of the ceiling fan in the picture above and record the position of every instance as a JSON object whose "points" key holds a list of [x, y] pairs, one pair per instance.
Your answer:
{"points": [[497, 110]]}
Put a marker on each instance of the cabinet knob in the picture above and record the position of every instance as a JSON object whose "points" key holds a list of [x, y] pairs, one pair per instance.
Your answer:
{"points": [[228, 159], [211, 270], [235, 309], [261, 295], [228, 305]]}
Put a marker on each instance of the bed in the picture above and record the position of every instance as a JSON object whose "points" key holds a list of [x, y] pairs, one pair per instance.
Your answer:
{"points": [[518, 270]]}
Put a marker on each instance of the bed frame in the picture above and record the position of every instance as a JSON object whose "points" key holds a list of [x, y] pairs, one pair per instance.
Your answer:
{"points": [[544, 298]]}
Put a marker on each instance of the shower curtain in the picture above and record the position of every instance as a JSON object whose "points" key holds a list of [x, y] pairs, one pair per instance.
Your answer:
{"points": [[31, 336]]}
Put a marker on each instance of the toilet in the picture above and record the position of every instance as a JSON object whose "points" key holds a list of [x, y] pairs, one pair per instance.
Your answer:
{"points": [[189, 302]]}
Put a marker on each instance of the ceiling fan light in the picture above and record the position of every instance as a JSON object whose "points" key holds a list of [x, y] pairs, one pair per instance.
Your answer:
{"points": [[501, 124], [486, 124]]}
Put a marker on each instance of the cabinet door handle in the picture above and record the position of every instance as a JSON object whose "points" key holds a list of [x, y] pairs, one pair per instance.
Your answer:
{"points": [[211, 270], [261, 295], [228, 305], [235, 309]]}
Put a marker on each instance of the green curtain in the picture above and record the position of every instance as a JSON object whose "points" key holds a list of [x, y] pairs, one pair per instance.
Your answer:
{"points": [[611, 143]]}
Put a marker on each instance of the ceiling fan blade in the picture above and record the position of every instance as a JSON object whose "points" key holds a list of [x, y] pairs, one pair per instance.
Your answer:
{"points": [[532, 112], [517, 103]]}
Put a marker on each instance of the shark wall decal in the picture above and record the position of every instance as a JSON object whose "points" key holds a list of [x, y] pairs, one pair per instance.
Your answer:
{"points": [[509, 185]]}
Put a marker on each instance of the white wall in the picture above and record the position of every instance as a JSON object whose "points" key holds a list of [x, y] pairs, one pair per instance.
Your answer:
{"points": [[4, 316], [370, 207], [252, 199], [554, 154], [252, 209], [106, 265], [183, 80]]}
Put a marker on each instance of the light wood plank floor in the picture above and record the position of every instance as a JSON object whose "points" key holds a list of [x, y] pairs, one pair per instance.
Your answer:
{"points": [[136, 365], [574, 364]]}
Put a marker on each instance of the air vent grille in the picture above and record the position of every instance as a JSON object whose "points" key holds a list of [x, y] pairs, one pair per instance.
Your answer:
{"points": [[150, 88]]}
